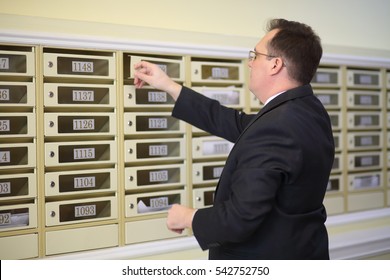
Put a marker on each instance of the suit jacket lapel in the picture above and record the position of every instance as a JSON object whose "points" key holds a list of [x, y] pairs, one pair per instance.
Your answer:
{"points": [[286, 96]]}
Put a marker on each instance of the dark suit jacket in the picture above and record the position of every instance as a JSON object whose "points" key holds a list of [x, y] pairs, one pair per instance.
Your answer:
{"points": [[269, 199]]}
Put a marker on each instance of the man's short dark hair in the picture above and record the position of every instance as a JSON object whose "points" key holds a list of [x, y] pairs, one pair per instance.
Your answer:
{"points": [[298, 45]]}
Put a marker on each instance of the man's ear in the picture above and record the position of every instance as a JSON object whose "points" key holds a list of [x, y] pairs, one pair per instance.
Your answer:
{"points": [[277, 65]]}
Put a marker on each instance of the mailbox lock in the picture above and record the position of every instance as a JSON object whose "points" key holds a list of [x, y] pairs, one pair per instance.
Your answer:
{"points": [[51, 94], [52, 214], [197, 173], [198, 198], [197, 148], [50, 64], [51, 123], [130, 123], [52, 184], [131, 178], [196, 71], [52, 154], [130, 96], [130, 151], [131, 206]]}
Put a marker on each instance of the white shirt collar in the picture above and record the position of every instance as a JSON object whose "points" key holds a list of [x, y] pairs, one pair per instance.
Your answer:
{"points": [[272, 97]]}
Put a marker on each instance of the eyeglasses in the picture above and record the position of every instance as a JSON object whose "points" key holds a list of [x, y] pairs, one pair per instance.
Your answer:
{"points": [[252, 55]]}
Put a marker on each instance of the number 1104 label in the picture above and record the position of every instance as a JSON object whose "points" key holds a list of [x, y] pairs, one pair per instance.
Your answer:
{"points": [[5, 157]]}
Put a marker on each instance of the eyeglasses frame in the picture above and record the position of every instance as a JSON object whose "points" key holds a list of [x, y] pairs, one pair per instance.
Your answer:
{"points": [[253, 54]]}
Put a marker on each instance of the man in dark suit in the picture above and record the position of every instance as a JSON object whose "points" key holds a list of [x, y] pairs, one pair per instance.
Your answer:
{"points": [[269, 199]]}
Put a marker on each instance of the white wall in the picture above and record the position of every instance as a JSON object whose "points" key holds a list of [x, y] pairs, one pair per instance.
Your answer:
{"points": [[360, 24]]}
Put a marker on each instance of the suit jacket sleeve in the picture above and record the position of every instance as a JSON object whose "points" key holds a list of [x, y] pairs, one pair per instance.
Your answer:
{"points": [[208, 115]]}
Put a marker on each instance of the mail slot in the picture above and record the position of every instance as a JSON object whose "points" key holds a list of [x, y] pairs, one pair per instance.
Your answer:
{"points": [[334, 204], [388, 139], [154, 149], [388, 96], [228, 96], [210, 146], [388, 160], [19, 247], [15, 186], [155, 176], [364, 140], [203, 197], [337, 163], [217, 72], [70, 240], [364, 120], [338, 143], [326, 77], [388, 119], [16, 217], [388, 79], [90, 152], [81, 211], [366, 160], [360, 201], [364, 99], [17, 155], [363, 181], [17, 125], [17, 94], [364, 78], [152, 203], [174, 68], [81, 181], [331, 99], [388, 180], [334, 183], [79, 95], [146, 97], [207, 172], [73, 65], [148, 230], [335, 120], [147, 123], [80, 124], [17, 63]]}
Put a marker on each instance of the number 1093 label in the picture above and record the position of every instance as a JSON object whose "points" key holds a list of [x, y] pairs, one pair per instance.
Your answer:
{"points": [[85, 211]]}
